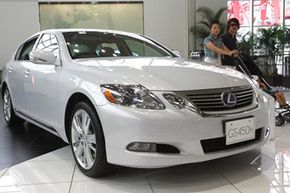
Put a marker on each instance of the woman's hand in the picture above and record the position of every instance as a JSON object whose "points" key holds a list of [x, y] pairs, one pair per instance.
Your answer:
{"points": [[262, 86], [234, 53]]}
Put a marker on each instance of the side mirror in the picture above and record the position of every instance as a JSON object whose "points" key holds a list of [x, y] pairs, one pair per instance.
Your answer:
{"points": [[42, 57], [255, 79]]}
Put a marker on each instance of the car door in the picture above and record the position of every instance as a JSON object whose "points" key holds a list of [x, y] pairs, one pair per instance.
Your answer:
{"points": [[17, 76], [41, 90]]}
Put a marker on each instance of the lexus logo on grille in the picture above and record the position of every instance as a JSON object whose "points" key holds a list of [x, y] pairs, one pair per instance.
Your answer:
{"points": [[229, 99]]}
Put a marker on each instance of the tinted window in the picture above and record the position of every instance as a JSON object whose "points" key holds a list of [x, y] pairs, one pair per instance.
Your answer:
{"points": [[48, 42], [25, 49], [99, 44]]}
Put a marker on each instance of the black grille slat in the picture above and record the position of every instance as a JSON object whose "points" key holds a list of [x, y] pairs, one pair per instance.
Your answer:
{"points": [[212, 103], [243, 91], [245, 95], [211, 100], [204, 96], [219, 144], [211, 106], [206, 99], [244, 99], [242, 103]]}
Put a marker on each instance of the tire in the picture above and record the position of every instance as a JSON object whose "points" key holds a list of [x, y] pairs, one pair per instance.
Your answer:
{"points": [[87, 141], [8, 110], [279, 121], [286, 117]]}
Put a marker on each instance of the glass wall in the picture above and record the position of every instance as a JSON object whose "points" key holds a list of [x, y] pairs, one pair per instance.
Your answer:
{"points": [[287, 12], [267, 12], [242, 11], [254, 14], [258, 17], [116, 16]]}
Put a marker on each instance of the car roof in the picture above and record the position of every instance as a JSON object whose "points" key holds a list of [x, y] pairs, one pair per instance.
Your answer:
{"points": [[90, 30], [135, 35]]}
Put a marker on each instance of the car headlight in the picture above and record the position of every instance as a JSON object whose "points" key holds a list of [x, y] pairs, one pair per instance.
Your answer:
{"points": [[132, 96], [257, 91], [179, 102]]}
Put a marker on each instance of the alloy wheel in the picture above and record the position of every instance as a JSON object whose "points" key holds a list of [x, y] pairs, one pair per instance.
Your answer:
{"points": [[7, 105], [83, 139]]}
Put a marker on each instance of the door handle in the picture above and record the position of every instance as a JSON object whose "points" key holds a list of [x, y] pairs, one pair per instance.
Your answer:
{"points": [[27, 73]]}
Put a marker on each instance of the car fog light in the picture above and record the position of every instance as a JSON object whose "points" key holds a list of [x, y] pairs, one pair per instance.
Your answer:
{"points": [[142, 147]]}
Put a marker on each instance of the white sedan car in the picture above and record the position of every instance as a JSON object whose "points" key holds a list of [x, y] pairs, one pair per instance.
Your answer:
{"points": [[123, 99]]}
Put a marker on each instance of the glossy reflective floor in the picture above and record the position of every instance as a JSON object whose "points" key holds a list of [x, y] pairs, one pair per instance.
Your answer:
{"points": [[265, 170], [24, 142], [258, 171]]}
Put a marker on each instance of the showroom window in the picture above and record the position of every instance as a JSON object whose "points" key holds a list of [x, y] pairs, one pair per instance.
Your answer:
{"points": [[259, 13], [287, 12], [267, 13], [242, 11], [124, 16], [254, 14], [259, 18]]}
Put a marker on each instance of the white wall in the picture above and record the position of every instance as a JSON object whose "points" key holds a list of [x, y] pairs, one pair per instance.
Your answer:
{"points": [[18, 20], [167, 22]]}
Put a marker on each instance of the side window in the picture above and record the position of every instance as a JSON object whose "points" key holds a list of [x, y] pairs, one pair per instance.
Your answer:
{"points": [[48, 42], [24, 50]]}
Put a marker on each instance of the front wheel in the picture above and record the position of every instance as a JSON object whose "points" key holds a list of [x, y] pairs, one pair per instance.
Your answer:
{"points": [[279, 120], [87, 141], [8, 111], [286, 117]]}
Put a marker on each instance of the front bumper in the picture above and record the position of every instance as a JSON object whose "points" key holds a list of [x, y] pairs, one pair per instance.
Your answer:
{"points": [[182, 129]]}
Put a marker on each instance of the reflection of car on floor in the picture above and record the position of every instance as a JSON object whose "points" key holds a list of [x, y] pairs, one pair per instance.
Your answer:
{"points": [[121, 98]]}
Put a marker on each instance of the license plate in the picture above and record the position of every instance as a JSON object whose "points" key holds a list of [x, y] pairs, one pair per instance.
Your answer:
{"points": [[239, 130]]}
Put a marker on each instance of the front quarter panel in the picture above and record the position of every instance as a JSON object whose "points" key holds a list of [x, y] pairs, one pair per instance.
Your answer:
{"points": [[75, 80]]}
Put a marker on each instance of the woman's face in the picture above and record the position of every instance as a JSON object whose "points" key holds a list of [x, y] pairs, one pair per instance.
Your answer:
{"points": [[233, 28], [215, 29]]}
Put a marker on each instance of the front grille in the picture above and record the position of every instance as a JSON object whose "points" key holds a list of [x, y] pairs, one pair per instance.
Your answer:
{"points": [[219, 144], [210, 99]]}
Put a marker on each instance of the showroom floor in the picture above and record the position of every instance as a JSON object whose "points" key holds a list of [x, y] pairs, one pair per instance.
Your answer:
{"points": [[257, 171], [24, 142]]}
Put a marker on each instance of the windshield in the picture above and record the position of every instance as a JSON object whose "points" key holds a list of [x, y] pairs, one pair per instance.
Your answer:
{"points": [[102, 44]]}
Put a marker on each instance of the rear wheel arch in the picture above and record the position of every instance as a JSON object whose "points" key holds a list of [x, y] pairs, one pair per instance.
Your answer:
{"points": [[9, 114]]}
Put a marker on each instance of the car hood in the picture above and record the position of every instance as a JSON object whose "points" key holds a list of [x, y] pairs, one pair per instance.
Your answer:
{"points": [[164, 73]]}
